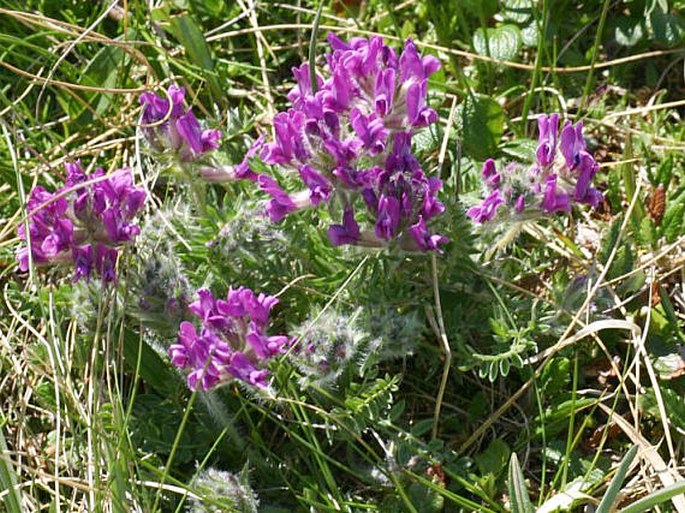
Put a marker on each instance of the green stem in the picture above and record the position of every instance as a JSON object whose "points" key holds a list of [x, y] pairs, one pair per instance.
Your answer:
{"points": [[174, 447], [312, 48], [542, 28], [595, 47]]}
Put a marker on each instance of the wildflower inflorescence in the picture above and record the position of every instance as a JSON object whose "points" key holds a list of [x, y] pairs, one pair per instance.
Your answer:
{"points": [[561, 174], [172, 128], [85, 222], [232, 342], [349, 139]]}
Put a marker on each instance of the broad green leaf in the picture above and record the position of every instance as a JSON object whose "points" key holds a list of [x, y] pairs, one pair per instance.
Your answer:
{"points": [[517, 11], [429, 500], [668, 28], [520, 149], [481, 120], [555, 377], [530, 35], [629, 31], [494, 459], [671, 366], [504, 43], [191, 37]]}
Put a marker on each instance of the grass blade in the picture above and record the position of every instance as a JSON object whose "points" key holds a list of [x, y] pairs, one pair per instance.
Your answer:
{"points": [[653, 499], [609, 498], [8, 480]]}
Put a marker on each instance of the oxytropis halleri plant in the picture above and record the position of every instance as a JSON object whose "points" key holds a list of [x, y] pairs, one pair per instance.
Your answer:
{"points": [[223, 491], [348, 138], [85, 222], [232, 342], [173, 132], [561, 174]]}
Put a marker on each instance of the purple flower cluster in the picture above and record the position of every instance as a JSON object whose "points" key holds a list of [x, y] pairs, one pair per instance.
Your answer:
{"points": [[232, 342], [82, 222], [175, 129], [349, 139], [561, 174]]}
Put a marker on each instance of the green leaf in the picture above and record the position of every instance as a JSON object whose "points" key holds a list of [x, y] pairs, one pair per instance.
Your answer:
{"points": [[673, 402], [672, 224], [555, 377], [8, 479], [609, 499], [191, 37], [530, 35], [520, 500], [668, 28], [520, 149], [649, 502], [610, 239], [494, 459], [629, 31], [664, 172], [517, 11], [648, 232], [481, 122], [501, 43], [429, 500], [153, 370], [480, 8]]}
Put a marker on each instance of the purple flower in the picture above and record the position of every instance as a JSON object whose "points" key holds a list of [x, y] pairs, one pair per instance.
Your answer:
{"points": [[412, 65], [242, 301], [555, 199], [572, 143], [354, 136], [388, 218], [264, 346], [424, 240], [345, 233], [242, 368], [431, 206], [520, 204], [384, 91], [490, 175], [488, 209], [106, 262], [281, 204], [84, 224], [180, 131], [319, 187], [548, 129], [232, 343], [288, 145], [303, 89], [370, 130], [243, 170], [549, 184], [584, 192], [83, 261], [156, 108], [197, 141]]}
